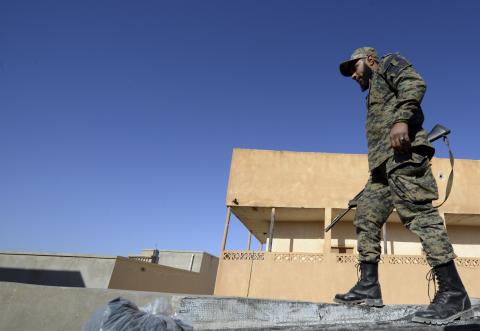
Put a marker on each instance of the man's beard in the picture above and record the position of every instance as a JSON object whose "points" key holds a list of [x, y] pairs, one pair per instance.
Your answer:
{"points": [[364, 81]]}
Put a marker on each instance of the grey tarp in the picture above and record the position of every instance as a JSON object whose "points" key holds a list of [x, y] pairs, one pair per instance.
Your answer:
{"points": [[123, 315]]}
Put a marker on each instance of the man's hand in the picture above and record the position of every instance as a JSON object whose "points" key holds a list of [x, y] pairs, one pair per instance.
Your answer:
{"points": [[399, 137]]}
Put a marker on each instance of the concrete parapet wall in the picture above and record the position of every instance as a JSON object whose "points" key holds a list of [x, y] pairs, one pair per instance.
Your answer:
{"points": [[56, 269], [47, 308], [190, 261], [110, 272], [141, 276]]}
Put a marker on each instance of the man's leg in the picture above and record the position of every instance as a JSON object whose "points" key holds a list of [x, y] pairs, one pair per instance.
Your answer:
{"points": [[413, 188], [373, 209]]}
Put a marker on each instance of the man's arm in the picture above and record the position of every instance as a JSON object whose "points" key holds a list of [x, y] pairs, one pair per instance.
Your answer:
{"points": [[410, 89]]}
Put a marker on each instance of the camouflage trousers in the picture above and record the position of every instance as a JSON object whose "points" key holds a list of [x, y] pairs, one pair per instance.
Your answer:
{"points": [[409, 187]]}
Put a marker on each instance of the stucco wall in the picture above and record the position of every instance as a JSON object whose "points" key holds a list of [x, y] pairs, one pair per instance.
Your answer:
{"points": [[141, 276], [298, 237], [182, 260], [317, 180], [318, 277], [294, 179], [465, 240]]}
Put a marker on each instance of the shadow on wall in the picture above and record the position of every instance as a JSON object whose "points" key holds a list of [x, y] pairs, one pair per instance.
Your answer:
{"points": [[42, 277], [291, 236]]}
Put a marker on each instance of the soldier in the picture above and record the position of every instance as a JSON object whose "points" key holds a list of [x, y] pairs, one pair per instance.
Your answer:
{"points": [[400, 177]]}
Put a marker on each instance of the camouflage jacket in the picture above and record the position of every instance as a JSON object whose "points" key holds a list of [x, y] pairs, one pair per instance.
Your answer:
{"points": [[396, 91]]}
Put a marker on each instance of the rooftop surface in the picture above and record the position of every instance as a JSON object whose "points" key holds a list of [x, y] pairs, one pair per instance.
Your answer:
{"points": [[32, 307]]}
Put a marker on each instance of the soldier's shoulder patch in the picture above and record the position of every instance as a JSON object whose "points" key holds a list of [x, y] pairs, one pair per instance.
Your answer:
{"points": [[394, 63]]}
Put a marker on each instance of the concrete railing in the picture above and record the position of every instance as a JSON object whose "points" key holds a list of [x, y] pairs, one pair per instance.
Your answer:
{"points": [[148, 259], [238, 255]]}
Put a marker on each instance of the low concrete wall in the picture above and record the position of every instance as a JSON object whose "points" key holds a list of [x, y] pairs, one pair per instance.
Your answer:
{"points": [[111, 272], [47, 308], [56, 269]]}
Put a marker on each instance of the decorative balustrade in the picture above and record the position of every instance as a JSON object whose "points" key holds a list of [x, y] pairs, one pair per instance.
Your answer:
{"points": [[286, 257], [297, 257], [346, 258], [404, 259], [243, 255], [148, 259], [467, 262]]}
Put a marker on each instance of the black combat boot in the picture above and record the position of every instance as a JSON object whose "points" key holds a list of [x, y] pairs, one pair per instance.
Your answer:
{"points": [[451, 301], [367, 290]]}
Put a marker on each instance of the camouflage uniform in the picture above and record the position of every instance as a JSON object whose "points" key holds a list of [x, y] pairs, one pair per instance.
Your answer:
{"points": [[401, 181]]}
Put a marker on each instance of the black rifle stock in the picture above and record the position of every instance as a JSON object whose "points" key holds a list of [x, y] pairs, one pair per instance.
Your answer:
{"points": [[437, 132]]}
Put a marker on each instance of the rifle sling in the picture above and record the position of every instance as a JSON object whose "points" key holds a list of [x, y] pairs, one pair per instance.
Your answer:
{"points": [[450, 176]]}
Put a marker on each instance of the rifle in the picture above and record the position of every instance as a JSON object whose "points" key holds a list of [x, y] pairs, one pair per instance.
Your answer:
{"points": [[438, 131]]}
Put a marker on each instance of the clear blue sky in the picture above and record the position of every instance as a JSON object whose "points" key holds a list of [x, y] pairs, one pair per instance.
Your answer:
{"points": [[118, 118]]}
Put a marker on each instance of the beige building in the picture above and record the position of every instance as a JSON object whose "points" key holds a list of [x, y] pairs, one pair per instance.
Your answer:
{"points": [[286, 199]]}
